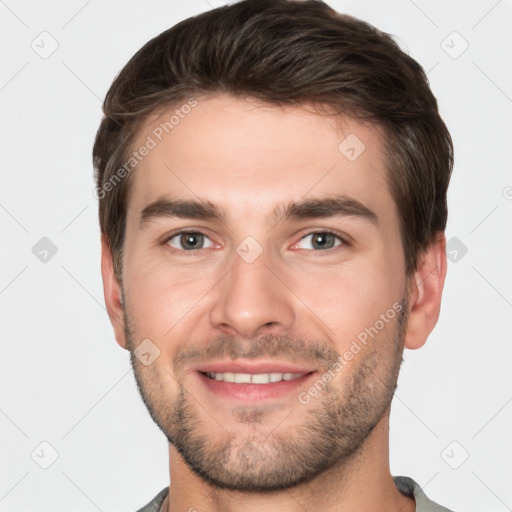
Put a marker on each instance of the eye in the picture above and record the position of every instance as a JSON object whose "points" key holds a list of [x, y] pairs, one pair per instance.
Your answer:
{"points": [[189, 241], [320, 240]]}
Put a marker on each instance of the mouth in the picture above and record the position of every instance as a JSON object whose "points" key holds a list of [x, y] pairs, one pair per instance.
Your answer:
{"points": [[252, 381], [252, 378]]}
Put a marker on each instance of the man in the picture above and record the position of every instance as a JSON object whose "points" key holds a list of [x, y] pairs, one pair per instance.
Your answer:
{"points": [[272, 179]]}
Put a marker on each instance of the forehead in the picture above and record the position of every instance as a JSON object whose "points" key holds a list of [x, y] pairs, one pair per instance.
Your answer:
{"points": [[250, 157]]}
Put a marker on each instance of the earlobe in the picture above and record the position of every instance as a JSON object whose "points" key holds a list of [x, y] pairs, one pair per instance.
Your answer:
{"points": [[426, 289], [112, 293]]}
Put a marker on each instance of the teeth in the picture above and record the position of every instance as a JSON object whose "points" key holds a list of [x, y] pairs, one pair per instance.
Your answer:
{"points": [[257, 378], [254, 378], [275, 377], [242, 378]]}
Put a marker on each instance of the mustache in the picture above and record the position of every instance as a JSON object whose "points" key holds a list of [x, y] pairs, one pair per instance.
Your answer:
{"points": [[266, 346]]}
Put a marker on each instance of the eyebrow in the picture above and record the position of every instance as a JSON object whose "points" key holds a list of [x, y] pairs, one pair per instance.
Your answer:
{"points": [[165, 208], [331, 206], [328, 207]]}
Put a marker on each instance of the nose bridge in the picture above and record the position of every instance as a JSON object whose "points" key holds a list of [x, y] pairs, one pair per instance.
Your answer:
{"points": [[252, 299]]}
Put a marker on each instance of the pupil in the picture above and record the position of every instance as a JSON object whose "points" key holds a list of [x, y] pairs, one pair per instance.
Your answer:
{"points": [[322, 240], [191, 240]]}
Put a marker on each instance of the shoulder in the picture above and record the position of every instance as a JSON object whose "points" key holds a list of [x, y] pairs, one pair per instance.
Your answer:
{"points": [[410, 488], [155, 504]]}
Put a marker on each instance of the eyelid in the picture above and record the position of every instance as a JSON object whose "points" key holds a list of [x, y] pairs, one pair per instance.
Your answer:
{"points": [[184, 231], [345, 239]]}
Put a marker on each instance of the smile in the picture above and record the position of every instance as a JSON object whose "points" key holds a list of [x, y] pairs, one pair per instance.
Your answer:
{"points": [[246, 387], [254, 378]]}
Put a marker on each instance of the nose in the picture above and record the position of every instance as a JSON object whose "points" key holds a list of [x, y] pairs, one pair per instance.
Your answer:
{"points": [[253, 300]]}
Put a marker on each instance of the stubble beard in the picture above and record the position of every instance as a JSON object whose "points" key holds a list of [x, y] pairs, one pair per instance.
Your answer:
{"points": [[267, 457]]}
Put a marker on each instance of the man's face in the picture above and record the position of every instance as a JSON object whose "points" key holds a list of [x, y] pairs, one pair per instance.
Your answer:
{"points": [[253, 291]]}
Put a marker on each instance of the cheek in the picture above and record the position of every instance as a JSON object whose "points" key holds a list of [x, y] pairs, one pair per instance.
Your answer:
{"points": [[348, 298], [163, 300]]}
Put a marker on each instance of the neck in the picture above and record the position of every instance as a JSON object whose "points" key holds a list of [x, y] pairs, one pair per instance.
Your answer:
{"points": [[361, 483]]}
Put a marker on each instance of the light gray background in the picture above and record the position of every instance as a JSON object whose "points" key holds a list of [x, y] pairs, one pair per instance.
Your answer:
{"points": [[67, 383]]}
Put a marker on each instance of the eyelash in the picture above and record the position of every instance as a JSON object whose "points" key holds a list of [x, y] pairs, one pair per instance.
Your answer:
{"points": [[325, 252], [194, 252], [190, 253]]}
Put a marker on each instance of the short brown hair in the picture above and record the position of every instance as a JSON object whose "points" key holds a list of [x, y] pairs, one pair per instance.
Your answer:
{"points": [[286, 52]]}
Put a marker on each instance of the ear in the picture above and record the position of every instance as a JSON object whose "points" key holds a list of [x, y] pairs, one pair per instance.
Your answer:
{"points": [[425, 289], [112, 293]]}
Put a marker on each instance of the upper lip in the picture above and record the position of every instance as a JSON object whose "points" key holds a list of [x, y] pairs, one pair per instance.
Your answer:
{"points": [[252, 367]]}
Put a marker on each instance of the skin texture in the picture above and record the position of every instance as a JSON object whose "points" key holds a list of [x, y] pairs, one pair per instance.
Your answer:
{"points": [[291, 304]]}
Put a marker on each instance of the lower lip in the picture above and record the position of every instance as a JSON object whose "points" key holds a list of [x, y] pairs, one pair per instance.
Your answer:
{"points": [[253, 392]]}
